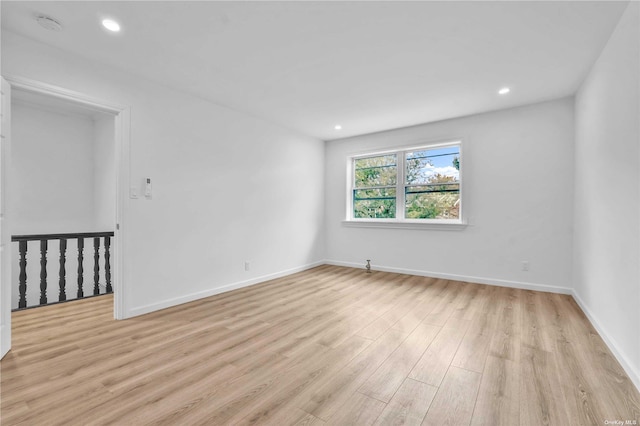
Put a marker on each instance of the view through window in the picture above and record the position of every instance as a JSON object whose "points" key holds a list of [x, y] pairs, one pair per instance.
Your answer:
{"points": [[415, 184]]}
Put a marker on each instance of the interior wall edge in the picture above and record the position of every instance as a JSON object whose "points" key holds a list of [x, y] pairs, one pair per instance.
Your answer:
{"points": [[168, 303], [606, 337], [5, 340], [464, 278], [633, 374]]}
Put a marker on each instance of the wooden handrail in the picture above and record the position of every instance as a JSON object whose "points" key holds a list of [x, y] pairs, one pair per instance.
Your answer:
{"points": [[36, 237]]}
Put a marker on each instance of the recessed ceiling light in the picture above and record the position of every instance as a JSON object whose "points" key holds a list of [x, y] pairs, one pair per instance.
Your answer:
{"points": [[111, 25], [49, 23], [337, 127], [504, 91]]}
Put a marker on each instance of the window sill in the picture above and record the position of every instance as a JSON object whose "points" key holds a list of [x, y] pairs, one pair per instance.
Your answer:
{"points": [[444, 225]]}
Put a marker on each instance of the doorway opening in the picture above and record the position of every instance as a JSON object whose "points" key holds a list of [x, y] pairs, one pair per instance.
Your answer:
{"points": [[63, 203], [117, 119]]}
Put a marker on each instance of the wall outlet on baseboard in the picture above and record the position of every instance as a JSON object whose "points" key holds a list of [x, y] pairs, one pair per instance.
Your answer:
{"points": [[247, 265], [525, 265]]}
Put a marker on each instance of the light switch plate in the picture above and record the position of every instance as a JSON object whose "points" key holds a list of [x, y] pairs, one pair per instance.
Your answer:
{"points": [[133, 192]]}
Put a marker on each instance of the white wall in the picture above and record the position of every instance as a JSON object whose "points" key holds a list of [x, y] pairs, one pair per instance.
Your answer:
{"points": [[518, 183], [104, 176], [228, 187], [51, 171], [607, 193]]}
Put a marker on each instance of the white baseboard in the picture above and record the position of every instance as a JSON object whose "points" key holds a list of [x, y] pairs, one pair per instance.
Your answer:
{"points": [[613, 347], [141, 310], [633, 373], [465, 278]]}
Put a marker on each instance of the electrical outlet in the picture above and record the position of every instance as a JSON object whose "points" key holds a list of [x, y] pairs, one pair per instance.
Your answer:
{"points": [[247, 265], [525, 265]]}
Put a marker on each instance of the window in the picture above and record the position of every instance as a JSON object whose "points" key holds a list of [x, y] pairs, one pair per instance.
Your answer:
{"points": [[417, 185], [374, 193]]}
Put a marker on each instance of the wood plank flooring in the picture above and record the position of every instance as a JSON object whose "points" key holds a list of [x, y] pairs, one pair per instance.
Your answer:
{"points": [[328, 346]]}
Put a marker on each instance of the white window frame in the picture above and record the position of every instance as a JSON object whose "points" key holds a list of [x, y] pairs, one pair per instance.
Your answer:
{"points": [[399, 221]]}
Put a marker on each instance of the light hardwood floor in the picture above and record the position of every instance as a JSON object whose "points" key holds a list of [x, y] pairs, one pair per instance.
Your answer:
{"points": [[330, 345]]}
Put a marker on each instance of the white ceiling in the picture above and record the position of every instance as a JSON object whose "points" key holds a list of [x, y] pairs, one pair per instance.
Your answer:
{"points": [[369, 66]]}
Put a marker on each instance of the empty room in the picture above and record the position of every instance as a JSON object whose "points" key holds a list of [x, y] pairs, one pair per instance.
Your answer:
{"points": [[320, 213]]}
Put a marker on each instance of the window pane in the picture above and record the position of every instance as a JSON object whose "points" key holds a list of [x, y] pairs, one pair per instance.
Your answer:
{"points": [[425, 203], [375, 171], [374, 203], [433, 165]]}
